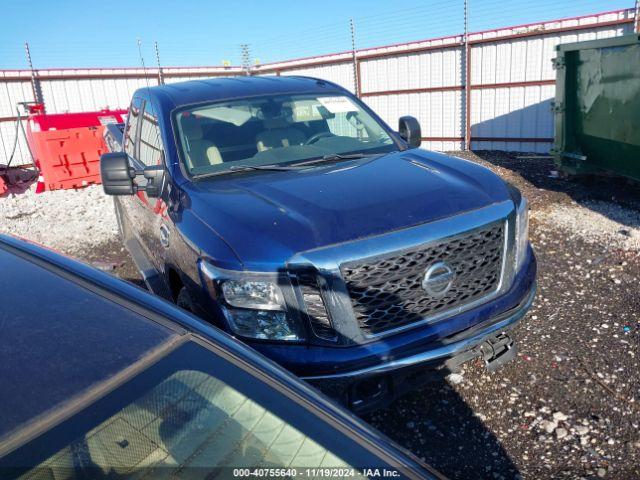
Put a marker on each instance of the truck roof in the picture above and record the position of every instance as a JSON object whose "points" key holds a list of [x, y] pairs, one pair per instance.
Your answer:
{"points": [[214, 89]]}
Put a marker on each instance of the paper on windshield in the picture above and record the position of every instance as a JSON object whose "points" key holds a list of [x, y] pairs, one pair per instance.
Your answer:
{"points": [[338, 104], [236, 115]]}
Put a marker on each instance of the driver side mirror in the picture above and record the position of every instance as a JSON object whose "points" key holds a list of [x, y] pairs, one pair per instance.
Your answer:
{"points": [[409, 130], [118, 176]]}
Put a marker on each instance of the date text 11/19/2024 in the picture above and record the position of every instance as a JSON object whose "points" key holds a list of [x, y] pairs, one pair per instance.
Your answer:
{"points": [[315, 472]]}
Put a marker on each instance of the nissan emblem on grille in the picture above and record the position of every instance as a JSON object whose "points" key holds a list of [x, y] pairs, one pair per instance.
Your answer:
{"points": [[426, 281], [438, 279]]}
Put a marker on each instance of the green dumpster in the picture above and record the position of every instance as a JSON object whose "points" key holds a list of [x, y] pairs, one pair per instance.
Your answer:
{"points": [[597, 107]]}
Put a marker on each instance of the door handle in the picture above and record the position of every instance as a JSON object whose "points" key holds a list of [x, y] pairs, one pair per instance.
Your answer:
{"points": [[164, 236]]}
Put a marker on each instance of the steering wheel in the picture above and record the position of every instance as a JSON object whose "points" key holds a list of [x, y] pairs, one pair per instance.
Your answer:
{"points": [[317, 136]]}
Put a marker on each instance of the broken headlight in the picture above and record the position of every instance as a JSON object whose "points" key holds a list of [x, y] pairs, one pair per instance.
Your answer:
{"points": [[253, 304], [257, 295]]}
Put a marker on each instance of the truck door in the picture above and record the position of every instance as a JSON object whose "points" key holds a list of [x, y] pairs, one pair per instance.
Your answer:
{"points": [[129, 205], [154, 233]]}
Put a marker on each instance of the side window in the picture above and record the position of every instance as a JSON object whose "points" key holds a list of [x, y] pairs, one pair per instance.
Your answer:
{"points": [[151, 152], [131, 130]]}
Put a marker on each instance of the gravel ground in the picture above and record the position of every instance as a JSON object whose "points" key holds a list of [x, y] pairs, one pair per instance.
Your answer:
{"points": [[567, 407], [596, 222], [81, 224], [63, 220]]}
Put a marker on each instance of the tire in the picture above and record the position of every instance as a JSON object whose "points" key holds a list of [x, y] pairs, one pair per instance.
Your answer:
{"points": [[185, 301]]}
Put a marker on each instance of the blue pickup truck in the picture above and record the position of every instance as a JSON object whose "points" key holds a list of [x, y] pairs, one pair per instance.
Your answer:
{"points": [[286, 212]]}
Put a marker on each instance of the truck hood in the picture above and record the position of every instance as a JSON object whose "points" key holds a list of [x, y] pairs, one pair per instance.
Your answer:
{"points": [[266, 217]]}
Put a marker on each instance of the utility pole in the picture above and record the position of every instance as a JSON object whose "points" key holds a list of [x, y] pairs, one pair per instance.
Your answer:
{"points": [[160, 76], [356, 69], [467, 80], [35, 82], [637, 19], [246, 58]]}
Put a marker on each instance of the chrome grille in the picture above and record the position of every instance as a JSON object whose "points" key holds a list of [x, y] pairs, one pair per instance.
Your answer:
{"points": [[387, 293]]}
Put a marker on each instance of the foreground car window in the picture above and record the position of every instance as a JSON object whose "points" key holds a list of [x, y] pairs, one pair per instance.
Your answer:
{"points": [[182, 417], [276, 129]]}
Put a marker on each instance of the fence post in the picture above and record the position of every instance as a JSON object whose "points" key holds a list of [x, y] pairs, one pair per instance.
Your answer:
{"points": [[467, 80], [144, 65], [356, 66], [246, 58], [160, 76], [35, 81]]}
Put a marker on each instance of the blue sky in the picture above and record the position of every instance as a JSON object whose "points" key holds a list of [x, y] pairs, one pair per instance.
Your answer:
{"points": [[73, 33]]}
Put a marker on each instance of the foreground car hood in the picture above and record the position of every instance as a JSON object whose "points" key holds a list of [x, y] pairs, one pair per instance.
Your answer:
{"points": [[267, 217]]}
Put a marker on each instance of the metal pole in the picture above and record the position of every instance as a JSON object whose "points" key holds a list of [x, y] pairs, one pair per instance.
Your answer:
{"points": [[160, 76], [246, 58], [35, 83], [637, 19], [356, 76], [467, 81], [144, 67]]}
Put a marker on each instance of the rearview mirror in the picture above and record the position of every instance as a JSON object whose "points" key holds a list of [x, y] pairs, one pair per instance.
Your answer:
{"points": [[117, 175], [409, 130]]}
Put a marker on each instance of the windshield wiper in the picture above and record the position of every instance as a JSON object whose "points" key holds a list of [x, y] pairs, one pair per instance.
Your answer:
{"points": [[291, 166], [245, 168], [335, 156], [242, 168]]}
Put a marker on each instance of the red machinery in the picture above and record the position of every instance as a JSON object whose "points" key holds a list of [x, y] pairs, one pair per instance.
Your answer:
{"points": [[66, 147]]}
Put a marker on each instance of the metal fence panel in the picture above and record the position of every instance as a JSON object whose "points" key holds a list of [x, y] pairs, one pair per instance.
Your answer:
{"points": [[437, 68], [511, 83], [340, 73], [11, 93], [439, 114], [7, 137]]}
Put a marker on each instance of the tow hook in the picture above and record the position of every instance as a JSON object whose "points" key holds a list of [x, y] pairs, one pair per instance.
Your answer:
{"points": [[497, 351]]}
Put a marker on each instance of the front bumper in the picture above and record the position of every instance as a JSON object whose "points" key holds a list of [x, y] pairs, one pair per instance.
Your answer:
{"points": [[456, 345], [374, 387], [426, 343]]}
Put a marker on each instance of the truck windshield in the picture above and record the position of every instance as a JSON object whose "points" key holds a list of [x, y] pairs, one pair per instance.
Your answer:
{"points": [[272, 130]]}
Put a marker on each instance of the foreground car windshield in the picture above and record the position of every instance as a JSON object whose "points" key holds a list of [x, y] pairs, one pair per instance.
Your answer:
{"points": [[276, 130]]}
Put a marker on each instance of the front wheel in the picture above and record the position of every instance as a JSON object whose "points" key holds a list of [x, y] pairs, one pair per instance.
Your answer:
{"points": [[185, 301]]}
